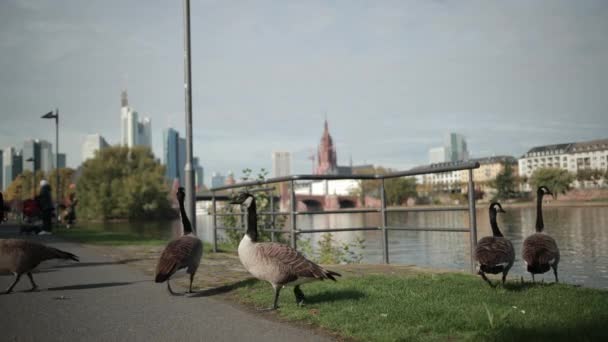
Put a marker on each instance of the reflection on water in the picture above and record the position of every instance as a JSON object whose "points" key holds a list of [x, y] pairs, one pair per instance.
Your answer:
{"points": [[581, 234]]}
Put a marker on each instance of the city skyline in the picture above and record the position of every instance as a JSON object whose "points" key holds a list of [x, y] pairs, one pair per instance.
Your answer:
{"points": [[393, 78]]}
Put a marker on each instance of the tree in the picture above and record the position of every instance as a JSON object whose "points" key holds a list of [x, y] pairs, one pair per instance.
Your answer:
{"points": [[557, 180], [120, 182], [399, 190], [593, 175], [21, 187], [505, 182]]}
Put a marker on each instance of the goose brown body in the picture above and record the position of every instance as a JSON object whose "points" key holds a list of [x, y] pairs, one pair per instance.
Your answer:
{"points": [[495, 254], [184, 252], [22, 256], [278, 264], [540, 251]]}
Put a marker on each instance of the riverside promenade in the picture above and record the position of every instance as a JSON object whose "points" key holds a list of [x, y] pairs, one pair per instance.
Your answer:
{"points": [[100, 299]]}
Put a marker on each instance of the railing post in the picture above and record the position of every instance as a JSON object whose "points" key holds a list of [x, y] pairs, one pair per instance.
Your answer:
{"points": [[384, 223], [472, 219], [272, 237], [292, 215], [214, 230]]}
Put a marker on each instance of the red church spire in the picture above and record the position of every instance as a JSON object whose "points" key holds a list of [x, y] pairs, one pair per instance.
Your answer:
{"points": [[326, 157]]}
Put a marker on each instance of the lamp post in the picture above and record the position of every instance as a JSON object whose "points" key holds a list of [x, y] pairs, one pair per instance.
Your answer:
{"points": [[55, 116], [31, 159], [189, 170]]}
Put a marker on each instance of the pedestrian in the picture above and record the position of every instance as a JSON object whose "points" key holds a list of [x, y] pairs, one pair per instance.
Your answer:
{"points": [[46, 207], [1, 208], [71, 202]]}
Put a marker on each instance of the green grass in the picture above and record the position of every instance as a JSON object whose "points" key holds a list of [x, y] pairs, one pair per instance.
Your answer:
{"points": [[107, 238], [443, 307]]}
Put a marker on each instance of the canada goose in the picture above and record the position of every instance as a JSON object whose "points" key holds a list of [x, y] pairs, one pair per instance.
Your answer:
{"points": [[540, 251], [278, 264], [184, 252], [22, 256], [495, 253]]}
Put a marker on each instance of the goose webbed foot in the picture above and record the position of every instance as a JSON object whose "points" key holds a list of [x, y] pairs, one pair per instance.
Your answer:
{"points": [[34, 286], [299, 295], [275, 304], [483, 275]]}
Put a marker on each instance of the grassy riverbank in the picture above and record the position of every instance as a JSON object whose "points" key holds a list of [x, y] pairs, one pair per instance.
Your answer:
{"points": [[389, 302], [450, 306]]}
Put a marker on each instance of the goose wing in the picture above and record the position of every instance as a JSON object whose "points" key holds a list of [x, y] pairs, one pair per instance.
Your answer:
{"points": [[540, 249], [178, 254], [494, 251], [292, 264]]}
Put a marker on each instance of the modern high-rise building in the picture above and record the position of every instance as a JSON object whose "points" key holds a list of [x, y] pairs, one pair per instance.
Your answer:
{"points": [[1, 170], [12, 166], [133, 131], [47, 160], [61, 161], [217, 180], [92, 143], [281, 164], [31, 151], [199, 174], [456, 145], [438, 155], [454, 149], [174, 155]]}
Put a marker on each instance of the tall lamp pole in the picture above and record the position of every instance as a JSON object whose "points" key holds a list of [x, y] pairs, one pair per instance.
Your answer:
{"points": [[55, 116], [189, 171]]}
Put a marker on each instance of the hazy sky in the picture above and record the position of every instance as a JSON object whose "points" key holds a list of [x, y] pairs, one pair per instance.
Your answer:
{"points": [[393, 76]]}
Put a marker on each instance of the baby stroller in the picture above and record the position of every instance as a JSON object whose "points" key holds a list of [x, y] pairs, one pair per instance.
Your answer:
{"points": [[31, 219]]}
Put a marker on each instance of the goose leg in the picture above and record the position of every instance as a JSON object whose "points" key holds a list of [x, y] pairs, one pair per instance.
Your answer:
{"points": [[299, 295], [10, 289], [275, 304], [169, 288], [504, 278], [533, 278], [191, 279], [555, 272], [483, 275], [34, 286]]}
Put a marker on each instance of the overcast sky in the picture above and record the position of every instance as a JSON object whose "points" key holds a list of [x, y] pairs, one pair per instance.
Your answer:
{"points": [[393, 76]]}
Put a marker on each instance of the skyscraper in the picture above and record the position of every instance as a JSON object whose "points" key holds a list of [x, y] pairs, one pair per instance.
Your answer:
{"points": [[31, 150], [92, 143], [133, 131], [217, 180], [11, 164], [174, 155], [281, 164], [199, 174], [47, 162], [454, 149]]}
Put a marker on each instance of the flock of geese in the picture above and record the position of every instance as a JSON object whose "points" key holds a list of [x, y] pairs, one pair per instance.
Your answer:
{"points": [[281, 265]]}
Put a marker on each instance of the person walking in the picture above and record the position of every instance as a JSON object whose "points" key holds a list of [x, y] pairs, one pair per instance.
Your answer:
{"points": [[45, 201], [70, 212]]}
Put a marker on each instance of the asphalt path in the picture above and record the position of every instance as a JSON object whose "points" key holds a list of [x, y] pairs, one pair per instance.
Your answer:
{"points": [[99, 299]]}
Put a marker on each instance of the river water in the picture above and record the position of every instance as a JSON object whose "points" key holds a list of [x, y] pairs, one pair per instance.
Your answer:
{"points": [[581, 234]]}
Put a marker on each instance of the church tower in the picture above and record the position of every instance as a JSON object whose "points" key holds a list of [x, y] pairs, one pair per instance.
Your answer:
{"points": [[326, 155]]}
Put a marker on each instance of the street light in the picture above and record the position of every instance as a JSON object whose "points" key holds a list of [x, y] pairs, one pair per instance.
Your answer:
{"points": [[31, 159], [55, 116], [189, 170]]}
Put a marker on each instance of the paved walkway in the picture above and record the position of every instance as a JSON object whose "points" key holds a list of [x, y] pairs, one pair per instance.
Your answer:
{"points": [[99, 299]]}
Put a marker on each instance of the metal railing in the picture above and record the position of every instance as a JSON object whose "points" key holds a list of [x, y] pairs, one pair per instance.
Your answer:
{"points": [[383, 210]]}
